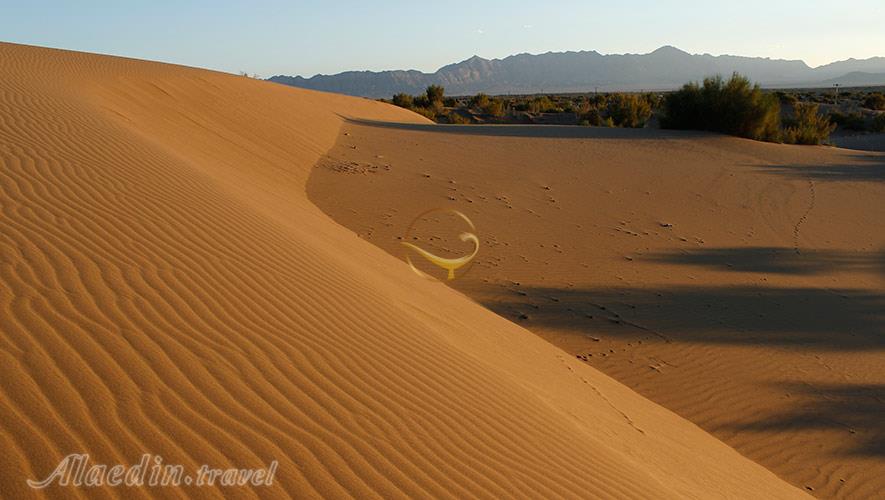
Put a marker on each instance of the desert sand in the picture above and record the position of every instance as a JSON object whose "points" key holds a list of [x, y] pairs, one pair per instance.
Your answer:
{"points": [[740, 284], [167, 287]]}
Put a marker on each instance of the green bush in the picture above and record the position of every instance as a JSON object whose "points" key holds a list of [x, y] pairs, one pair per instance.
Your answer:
{"points": [[421, 101], [426, 112], [599, 100], [808, 127], [733, 107], [593, 116], [629, 110], [617, 110], [488, 105], [875, 101], [403, 100], [435, 93], [456, 118], [495, 107], [542, 104], [479, 101]]}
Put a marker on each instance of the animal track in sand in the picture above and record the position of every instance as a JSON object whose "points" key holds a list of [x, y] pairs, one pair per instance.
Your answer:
{"points": [[797, 227], [352, 167], [604, 398]]}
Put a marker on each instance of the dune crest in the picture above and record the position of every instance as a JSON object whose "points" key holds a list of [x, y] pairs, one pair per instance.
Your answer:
{"points": [[166, 287]]}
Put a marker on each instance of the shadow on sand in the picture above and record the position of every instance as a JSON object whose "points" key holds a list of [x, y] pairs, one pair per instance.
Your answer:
{"points": [[814, 320], [775, 260], [864, 168], [801, 318], [856, 409], [817, 321], [541, 131]]}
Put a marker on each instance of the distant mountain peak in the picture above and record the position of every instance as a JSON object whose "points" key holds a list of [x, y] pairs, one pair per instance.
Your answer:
{"points": [[472, 61], [669, 49]]}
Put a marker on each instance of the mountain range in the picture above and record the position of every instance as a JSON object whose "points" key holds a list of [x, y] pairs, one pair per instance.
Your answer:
{"points": [[665, 68]]}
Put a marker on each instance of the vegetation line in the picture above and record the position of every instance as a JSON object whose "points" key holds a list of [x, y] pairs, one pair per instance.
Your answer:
{"points": [[734, 106]]}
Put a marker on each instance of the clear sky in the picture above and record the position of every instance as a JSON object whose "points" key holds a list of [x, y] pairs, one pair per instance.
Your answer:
{"points": [[276, 37]]}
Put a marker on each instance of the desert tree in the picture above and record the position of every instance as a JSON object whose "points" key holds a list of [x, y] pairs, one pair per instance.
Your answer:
{"points": [[435, 94]]}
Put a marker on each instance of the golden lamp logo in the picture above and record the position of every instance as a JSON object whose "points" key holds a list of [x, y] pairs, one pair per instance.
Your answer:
{"points": [[448, 264]]}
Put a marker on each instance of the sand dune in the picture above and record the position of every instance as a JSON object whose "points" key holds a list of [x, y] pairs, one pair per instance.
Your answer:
{"points": [[737, 283], [166, 287]]}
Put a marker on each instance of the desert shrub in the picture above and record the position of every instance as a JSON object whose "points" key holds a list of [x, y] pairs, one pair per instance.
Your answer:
{"points": [[542, 104], [593, 116], [403, 100], [426, 112], [654, 100], [629, 110], [437, 107], [733, 107], [457, 118], [850, 121], [583, 107], [808, 127], [421, 101], [479, 101], [435, 93], [494, 107], [875, 101]]}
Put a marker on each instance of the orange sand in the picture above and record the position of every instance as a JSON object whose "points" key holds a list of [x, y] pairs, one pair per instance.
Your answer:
{"points": [[166, 287], [737, 283]]}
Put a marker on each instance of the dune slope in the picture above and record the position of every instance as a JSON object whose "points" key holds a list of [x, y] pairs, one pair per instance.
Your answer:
{"points": [[167, 288]]}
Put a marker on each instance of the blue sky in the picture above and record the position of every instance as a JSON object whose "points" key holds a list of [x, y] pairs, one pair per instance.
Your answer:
{"points": [[275, 37]]}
